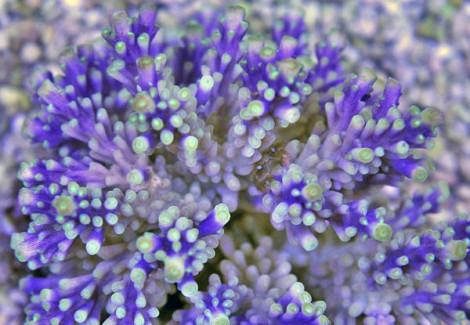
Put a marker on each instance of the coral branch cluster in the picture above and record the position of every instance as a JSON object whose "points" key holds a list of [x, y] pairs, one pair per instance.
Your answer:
{"points": [[154, 147]]}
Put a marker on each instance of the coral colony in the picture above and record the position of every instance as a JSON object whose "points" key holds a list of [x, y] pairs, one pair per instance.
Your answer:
{"points": [[219, 175]]}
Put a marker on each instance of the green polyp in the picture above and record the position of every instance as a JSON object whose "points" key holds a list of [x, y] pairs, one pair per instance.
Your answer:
{"points": [[111, 219], [117, 299], [97, 221], [174, 235], [157, 124], [162, 105], [382, 232], [65, 304], [191, 143], [226, 58], [308, 309], [351, 231], [267, 53], [222, 214], [323, 320], [80, 316], [312, 192], [121, 312], [143, 103], [139, 320], [174, 269], [138, 276], [272, 72], [275, 309], [96, 203], [106, 32], [430, 257], [260, 86], [189, 289], [320, 307], [284, 92], [420, 174], [184, 93], [256, 108], [309, 219], [426, 269], [415, 123], [364, 155], [192, 235], [145, 62], [73, 188], [402, 147], [153, 312], [457, 250], [379, 151], [141, 301], [402, 260], [309, 243], [220, 320], [116, 65], [176, 246], [357, 122], [292, 308], [269, 94], [206, 83], [165, 219], [295, 210], [54, 189], [93, 247], [111, 203], [135, 177], [290, 68], [246, 114], [398, 125], [294, 98], [140, 144], [143, 39], [120, 47], [174, 104], [414, 110], [160, 61], [38, 177], [145, 243], [45, 294], [64, 205], [442, 299], [60, 219], [166, 137], [84, 204], [395, 273]]}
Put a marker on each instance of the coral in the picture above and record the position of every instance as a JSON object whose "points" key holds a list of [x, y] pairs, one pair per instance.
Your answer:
{"points": [[215, 166], [257, 288], [420, 276]]}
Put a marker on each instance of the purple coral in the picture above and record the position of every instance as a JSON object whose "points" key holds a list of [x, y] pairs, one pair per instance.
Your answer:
{"points": [[147, 144]]}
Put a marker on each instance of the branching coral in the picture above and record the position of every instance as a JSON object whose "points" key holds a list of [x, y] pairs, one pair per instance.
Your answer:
{"points": [[155, 147]]}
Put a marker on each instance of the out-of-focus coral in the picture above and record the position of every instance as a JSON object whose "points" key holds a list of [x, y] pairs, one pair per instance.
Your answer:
{"points": [[13, 149]]}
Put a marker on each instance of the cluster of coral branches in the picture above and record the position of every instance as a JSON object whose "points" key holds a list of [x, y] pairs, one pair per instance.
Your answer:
{"points": [[221, 174]]}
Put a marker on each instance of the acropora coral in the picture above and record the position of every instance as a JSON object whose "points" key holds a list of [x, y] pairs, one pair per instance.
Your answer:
{"points": [[214, 173]]}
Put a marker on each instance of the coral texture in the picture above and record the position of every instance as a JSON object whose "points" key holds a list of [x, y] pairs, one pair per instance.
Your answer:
{"points": [[223, 172]]}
